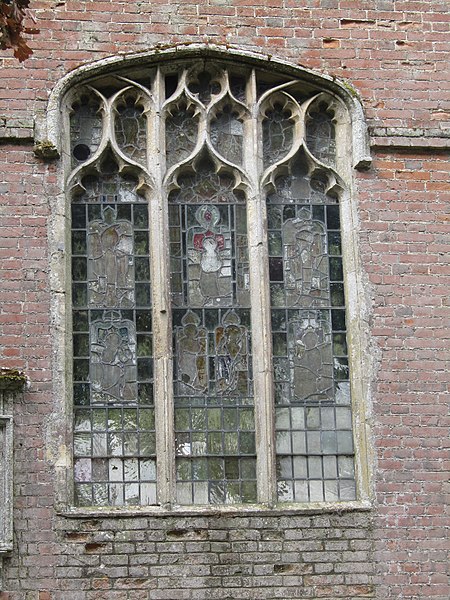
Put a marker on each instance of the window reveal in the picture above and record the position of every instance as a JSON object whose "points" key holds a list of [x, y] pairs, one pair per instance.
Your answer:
{"points": [[225, 185]]}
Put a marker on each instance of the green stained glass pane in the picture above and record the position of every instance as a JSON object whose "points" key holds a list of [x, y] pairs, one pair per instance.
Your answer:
{"points": [[248, 468], [144, 345], [82, 420], [147, 420], [115, 419], [79, 269], [145, 368], [184, 469], [99, 420], [79, 242], [277, 294], [143, 320], [338, 319], [340, 344], [214, 419], [80, 320], [232, 468], [142, 294], [279, 320], [216, 468], [141, 242], [337, 294], [230, 419], [145, 393], [274, 217], [336, 272], [80, 345], [81, 370], [81, 394], [182, 420], [140, 214], [130, 444], [200, 469], [79, 294], [341, 371], [78, 217], [130, 419], [248, 492], [247, 443], [333, 219], [176, 282], [142, 269], [279, 344], [83, 494], [198, 419], [334, 243], [275, 243], [94, 212], [147, 444], [247, 420], [214, 443], [115, 444]]}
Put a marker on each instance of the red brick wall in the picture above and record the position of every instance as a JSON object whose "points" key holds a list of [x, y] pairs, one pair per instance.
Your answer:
{"points": [[396, 55]]}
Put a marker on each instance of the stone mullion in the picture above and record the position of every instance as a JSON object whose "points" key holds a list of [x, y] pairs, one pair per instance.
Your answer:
{"points": [[260, 305], [162, 315]]}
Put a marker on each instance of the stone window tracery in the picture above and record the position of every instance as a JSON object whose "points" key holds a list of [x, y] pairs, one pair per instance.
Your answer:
{"points": [[210, 354]]}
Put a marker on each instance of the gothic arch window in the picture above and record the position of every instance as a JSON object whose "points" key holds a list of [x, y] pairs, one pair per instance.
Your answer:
{"points": [[209, 276]]}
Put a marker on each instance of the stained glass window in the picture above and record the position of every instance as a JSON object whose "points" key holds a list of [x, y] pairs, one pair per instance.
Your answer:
{"points": [[210, 353]]}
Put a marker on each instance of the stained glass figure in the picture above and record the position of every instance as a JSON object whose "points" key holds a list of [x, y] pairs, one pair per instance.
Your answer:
{"points": [[278, 133], [321, 135], [131, 129], [231, 348], [305, 261], [227, 134], [113, 359], [181, 131], [310, 359], [110, 261], [209, 259], [192, 356]]}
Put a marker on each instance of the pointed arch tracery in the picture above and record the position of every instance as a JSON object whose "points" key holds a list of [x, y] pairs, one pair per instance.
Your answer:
{"points": [[208, 287]]}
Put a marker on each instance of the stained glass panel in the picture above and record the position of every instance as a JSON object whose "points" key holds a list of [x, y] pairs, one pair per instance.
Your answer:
{"points": [[131, 129]]}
